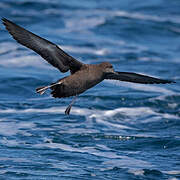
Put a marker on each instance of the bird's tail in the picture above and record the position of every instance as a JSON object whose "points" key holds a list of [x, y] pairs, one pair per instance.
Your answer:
{"points": [[41, 90]]}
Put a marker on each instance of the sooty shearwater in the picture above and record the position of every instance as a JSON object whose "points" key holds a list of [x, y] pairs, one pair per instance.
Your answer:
{"points": [[83, 76]]}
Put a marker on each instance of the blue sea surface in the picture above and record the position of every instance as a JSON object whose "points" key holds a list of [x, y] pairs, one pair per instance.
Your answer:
{"points": [[116, 130]]}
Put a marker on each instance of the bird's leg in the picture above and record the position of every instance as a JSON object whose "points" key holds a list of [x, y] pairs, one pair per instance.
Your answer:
{"points": [[68, 109]]}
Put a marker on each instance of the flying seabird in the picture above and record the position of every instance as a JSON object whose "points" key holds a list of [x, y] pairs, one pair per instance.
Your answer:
{"points": [[82, 77]]}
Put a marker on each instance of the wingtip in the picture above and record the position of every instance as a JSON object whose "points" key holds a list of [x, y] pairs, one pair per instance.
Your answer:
{"points": [[170, 81], [7, 22], [4, 20]]}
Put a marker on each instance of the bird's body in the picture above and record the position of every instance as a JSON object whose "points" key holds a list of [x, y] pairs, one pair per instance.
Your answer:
{"points": [[82, 77], [78, 82]]}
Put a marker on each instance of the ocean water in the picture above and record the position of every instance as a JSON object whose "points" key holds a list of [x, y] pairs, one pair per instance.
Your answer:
{"points": [[116, 130]]}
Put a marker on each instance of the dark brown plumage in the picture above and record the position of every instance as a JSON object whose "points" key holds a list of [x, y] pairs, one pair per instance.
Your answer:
{"points": [[83, 76]]}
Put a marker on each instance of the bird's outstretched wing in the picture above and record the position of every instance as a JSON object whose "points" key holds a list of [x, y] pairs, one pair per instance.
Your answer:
{"points": [[135, 78], [46, 49]]}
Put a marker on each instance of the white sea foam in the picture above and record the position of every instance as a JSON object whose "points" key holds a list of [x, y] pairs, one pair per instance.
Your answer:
{"points": [[136, 172], [23, 61], [89, 150], [99, 116], [52, 11], [83, 23], [10, 142], [7, 47], [82, 50], [18, 58], [174, 29], [83, 20], [131, 114], [112, 158], [135, 15], [10, 128], [17, 160], [20, 13], [116, 160], [127, 162], [75, 130]]}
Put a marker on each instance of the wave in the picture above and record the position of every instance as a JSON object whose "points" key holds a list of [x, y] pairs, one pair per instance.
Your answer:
{"points": [[83, 23], [101, 116], [7, 47], [101, 16], [24, 61], [82, 50], [140, 16], [10, 128], [116, 160], [83, 20]]}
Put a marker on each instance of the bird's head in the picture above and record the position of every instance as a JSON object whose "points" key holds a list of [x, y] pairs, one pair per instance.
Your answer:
{"points": [[107, 67]]}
